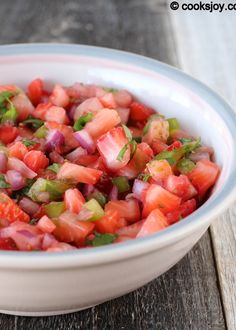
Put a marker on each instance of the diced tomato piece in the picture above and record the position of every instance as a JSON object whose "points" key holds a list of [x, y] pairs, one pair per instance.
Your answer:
{"points": [[122, 98], [142, 156], [158, 197], [103, 121], [204, 175], [36, 160], [108, 101], [17, 150], [155, 222], [69, 229], [46, 225], [79, 173], [88, 160], [128, 210], [110, 146], [7, 244], [23, 106], [180, 186], [35, 91], [90, 105], [109, 223], [8, 133], [74, 200], [139, 111], [41, 110], [159, 170], [10, 211], [131, 230], [59, 96], [182, 211]]}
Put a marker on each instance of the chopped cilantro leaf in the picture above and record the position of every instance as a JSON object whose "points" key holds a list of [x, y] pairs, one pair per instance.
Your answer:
{"points": [[127, 132], [55, 167], [82, 121], [122, 152], [4, 96], [3, 183], [36, 123], [102, 239], [28, 143]]}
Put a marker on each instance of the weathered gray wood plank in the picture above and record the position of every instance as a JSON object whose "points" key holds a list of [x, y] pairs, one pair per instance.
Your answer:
{"points": [[210, 39], [187, 296]]}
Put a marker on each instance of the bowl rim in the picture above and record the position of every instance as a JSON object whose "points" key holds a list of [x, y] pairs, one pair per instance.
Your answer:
{"points": [[111, 253]]}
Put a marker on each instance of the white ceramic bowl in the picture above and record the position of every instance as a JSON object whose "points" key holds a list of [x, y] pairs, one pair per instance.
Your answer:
{"points": [[39, 283]]}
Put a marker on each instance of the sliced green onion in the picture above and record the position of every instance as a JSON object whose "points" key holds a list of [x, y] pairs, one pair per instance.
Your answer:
{"points": [[55, 167], [102, 239], [100, 198], [185, 165], [185, 140], [82, 121], [4, 96], [133, 145], [173, 125], [93, 206], [54, 209], [41, 132], [122, 183]]}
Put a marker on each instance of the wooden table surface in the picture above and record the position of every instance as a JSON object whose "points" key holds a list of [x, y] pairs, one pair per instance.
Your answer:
{"points": [[200, 291]]}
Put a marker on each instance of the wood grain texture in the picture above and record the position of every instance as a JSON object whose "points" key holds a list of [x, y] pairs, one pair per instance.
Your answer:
{"points": [[187, 296], [212, 60]]}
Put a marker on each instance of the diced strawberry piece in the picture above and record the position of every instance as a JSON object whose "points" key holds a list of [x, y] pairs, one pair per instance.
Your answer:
{"points": [[103, 121], [122, 98], [128, 210], [158, 197], [131, 230], [158, 146], [25, 132], [159, 170], [174, 145], [90, 105], [142, 156], [123, 114], [41, 110], [35, 91], [23, 106], [10, 211], [56, 114], [17, 150], [108, 101], [18, 165], [7, 244], [59, 96], [8, 133], [109, 223], [158, 129], [46, 225], [88, 160], [74, 200], [79, 173], [136, 132], [59, 247], [122, 238], [110, 146], [204, 175], [155, 222], [9, 88], [69, 229], [182, 211], [180, 186], [139, 111], [36, 160]]}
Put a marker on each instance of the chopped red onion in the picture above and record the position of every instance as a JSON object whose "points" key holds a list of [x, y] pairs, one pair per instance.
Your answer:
{"points": [[130, 196], [27, 205], [48, 241], [44, 197], [18, 165], [85, 140], [139, 187], [15, 179], [201, 153], [84, 214], [113, 193], [26, 240], [54, 139], [3, 162], [124, 115], [74, 155], [88, 189]]}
